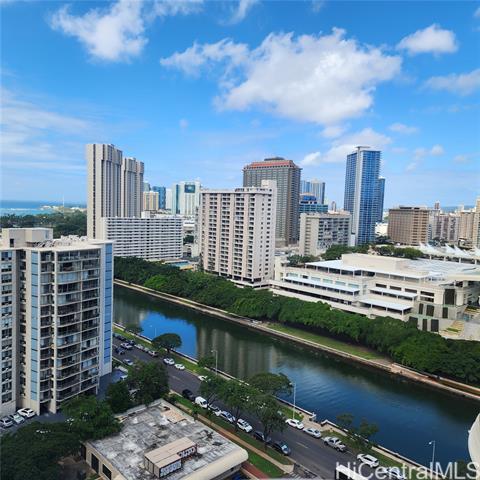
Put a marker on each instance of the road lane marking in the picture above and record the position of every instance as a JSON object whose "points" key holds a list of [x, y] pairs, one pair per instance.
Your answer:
{"points": [[302, 445]]}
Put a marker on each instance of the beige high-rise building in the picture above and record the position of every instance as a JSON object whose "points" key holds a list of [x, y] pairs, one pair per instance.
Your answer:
{"points": [[408, 225], [57, 302], [319, 231], [236, 233], [132, 187], [104, 174], [150, 201]]}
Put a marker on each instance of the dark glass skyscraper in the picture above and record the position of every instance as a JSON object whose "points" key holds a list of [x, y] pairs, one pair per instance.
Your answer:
{"points": [[362, 193], [380, 198], [161, 196]]}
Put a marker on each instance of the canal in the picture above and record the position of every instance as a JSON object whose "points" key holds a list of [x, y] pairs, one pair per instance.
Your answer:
{"points": [[409, 415]]}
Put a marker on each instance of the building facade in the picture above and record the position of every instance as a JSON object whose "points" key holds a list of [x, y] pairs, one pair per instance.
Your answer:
{"points": [[157, 238], [361, 193], [185, 198], [150, 201], [59, 305], [319, 231], [287, 177], [162, 191], [131, 187], [236, 233], [439, 295], [408, 225], [104, 174], [309, 204], [380, 198], [314, 187]]}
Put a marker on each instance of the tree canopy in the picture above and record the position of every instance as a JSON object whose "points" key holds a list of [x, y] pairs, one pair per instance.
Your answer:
{"points": [[118, 397], [271, 383], [149, 380], [169, 341]]}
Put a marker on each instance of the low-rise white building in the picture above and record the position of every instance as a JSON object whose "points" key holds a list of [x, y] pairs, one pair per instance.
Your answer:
{"points": [[441, 296], [158, 237]]}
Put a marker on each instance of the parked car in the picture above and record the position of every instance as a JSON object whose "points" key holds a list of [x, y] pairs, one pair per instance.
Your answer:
{"points": [[188, 394], [131, 342], [126, 346], [227, 416], [393, 473], [259, 436], [295, 423], [282, 447], [26, 412], [121, 351], [313, 432], [202, 378], [153, 353], [6, 422], [369, 460], [214, 409], [335, 443], [201, 401], [116, 349], [179, 366], [124, 376], [141, 347], [169, 361], [18, 419], [128, 362], [244, 425]]}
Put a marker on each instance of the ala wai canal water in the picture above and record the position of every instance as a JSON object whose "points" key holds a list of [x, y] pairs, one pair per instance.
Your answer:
{"points": [[409, 415]]}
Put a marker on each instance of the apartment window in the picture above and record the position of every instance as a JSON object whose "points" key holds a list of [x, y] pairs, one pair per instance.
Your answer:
{"points": [[445, 312], [420, 308], [449, 296], [106, 471], [425, 324], [95, 463], [429, 310], [434, 325]]}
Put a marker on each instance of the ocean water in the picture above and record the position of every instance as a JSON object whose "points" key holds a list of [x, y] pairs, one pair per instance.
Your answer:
{"points": [[27, 207]]}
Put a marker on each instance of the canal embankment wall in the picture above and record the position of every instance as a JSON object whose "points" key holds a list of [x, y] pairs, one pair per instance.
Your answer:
{"points": [[391, 368]]}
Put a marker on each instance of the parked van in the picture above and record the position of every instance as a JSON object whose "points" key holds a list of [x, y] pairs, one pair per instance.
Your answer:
{"points": [[201, 401]]}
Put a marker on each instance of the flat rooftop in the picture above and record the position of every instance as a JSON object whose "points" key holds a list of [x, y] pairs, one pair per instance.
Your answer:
{"points": [[146, 429]]}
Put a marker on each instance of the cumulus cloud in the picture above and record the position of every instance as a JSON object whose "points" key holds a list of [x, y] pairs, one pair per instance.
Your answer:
{"points": [[476, 14], [432, 39], [322, 79], [402, 128], [183, 123], [420, 153], [461, 84], [116, 33], [345, 145]]}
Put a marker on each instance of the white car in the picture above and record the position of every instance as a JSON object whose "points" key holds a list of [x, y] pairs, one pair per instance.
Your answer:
{"points": [[227, 416], [201, 401], [295, 423], [128, 362], [313, 432], [26, 412], [17, 418], [369, 460], [394, 473], [179, 366], [169, 361], [202, 377], [244, 425]]}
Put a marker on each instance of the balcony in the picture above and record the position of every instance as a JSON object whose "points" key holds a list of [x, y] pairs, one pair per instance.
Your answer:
{"points": [[64, 394], [62, 385], [68, 351], [69, 362]]}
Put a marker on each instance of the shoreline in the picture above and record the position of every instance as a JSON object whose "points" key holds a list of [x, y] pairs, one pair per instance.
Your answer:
{"points": [[391, 368]]}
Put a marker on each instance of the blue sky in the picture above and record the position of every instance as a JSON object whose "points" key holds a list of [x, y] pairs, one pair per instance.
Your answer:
{"points": [[198, 89]]}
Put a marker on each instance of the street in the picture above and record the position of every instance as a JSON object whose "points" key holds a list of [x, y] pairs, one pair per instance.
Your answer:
{"points": [[308, 451]]}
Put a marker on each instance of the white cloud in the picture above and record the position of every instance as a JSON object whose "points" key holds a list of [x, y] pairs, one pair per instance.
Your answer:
{"points": [[432, 39], [317, 5], [183, 123], [242, 10], [321, 79], [342, 147], [332, 131], [402, 128], [476, 14], [460, 84], [420, 153], [116, 33]]}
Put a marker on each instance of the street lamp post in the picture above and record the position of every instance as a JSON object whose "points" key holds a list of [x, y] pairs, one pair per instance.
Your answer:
{"points": [[294, 397], [216, 360], [432, 465]]}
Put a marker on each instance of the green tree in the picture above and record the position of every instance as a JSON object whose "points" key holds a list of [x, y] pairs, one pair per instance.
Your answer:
{"points": [[207, 362], [33, 451], [134, 328], [271, 383], [268, 414], [118, 397], [211, 389], [361, 435], [238, 396], [90, 418], [150, 380], [168, 341]]}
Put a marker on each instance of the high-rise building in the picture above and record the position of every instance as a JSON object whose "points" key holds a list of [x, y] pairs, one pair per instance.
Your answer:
{"points": [[56, 318], [236, 233], [161, 196], [445, 226], [361, 193], [150, 201], [408, 225], [132, 187], [287, 177], [309, 204], [185, 198], [380, 198], [319, 231], [146, 187], [168, 199], [104, 172], [158, 237], [314, 187]]}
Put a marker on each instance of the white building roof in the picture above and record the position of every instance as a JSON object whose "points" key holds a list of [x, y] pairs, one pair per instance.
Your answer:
{"points": [[385, 304]]}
